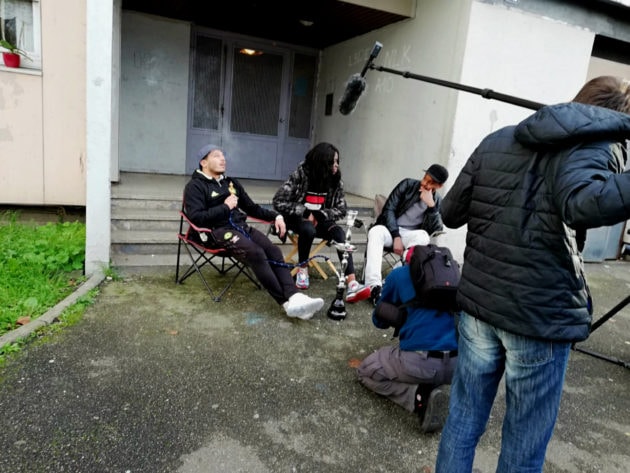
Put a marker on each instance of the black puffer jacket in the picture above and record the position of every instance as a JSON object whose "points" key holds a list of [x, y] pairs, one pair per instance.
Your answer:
{"points": [[523, 192], [404, 195]]}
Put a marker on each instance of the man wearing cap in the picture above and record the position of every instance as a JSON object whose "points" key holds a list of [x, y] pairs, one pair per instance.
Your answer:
{"points": [[213, 200], [411, 213]]}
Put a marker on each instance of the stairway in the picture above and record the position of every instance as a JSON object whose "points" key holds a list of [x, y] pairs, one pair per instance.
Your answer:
{"points": [[145, 218]]}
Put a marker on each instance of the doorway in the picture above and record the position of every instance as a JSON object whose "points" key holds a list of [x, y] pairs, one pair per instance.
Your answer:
{"points": [[254, 100]]}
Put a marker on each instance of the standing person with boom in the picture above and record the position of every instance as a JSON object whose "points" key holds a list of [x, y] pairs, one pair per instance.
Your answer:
{"points": [[527, 194]]}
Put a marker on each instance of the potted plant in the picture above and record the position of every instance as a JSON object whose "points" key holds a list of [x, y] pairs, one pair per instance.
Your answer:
{"points": [[11, 57]]}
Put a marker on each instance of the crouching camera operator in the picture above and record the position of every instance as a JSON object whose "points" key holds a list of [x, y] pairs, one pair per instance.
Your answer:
{"points": [[412, 374]]}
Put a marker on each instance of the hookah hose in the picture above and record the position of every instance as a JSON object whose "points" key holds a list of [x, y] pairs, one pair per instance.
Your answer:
{"points": [[337, 309], [244, 232]]}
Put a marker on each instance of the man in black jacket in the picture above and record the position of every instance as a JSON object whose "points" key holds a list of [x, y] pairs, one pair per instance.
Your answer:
{"points": [[527, 193], [411, 213], [213, 200]]}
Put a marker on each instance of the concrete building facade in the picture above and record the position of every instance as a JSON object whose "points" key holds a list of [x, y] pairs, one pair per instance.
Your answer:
{"points": [[115, 90]]}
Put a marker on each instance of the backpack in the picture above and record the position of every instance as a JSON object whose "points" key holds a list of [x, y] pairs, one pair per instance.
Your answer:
{"points": [[435, 275]]}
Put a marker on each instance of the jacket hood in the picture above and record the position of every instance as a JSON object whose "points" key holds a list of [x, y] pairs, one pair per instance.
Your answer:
{"points": [[566, 124]]}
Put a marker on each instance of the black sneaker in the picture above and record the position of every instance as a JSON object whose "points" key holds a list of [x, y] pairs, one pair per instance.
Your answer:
{"points": [[375, 294], [434, 415]]}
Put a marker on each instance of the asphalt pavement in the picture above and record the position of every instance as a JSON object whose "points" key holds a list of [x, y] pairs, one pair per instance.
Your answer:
{"points": [[159, 378]]}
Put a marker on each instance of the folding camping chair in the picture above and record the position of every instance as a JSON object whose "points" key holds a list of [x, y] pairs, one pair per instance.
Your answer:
{"points": [[201, 256]]}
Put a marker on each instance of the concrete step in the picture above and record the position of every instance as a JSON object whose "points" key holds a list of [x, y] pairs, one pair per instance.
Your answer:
{"points": [[155, 248], [144, 232], [142, 203], [145, 218]]}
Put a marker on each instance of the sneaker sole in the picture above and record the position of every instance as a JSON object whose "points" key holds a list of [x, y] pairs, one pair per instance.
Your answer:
{"points": [[437, 410]]}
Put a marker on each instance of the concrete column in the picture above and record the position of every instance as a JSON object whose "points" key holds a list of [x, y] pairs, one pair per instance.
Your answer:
{"points": [[99, 72]]}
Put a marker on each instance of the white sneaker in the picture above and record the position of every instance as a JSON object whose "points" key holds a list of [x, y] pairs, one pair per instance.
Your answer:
{"points": [[302, 306]]}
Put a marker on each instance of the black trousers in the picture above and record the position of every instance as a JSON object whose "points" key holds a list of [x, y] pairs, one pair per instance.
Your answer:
{"points": [[252, 247]]}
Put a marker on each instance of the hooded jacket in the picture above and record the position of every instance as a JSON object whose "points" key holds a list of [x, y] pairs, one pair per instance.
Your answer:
{"points": [[289, 198], [204, 205], [523, 193]]}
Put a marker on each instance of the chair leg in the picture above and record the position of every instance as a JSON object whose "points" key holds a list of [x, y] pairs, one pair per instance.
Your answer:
{"points": [[251, 276], [179, 250], [290, 257], [241, 269], [195, 267], [294, 250], [218, 297], [312, 263], [202, 259]]}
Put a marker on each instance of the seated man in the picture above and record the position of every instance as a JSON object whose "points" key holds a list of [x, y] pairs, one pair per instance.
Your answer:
{"points": [[412, 374], [312, 200], [213, 200], [410, 214]]}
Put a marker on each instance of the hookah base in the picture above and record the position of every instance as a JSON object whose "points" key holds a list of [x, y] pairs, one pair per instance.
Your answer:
{"points": [[337, 310]]}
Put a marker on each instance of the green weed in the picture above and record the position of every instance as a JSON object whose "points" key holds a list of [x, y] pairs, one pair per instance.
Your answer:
{"points": [[40, 265]]}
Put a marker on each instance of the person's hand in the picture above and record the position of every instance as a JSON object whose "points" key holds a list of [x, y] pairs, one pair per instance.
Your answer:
{"points": [[281, 228], [231, 201], [311, 218], [426, 196], [398, 246]]}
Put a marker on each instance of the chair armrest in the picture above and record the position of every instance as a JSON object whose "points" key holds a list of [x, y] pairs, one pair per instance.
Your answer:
{"points": [[271, 226], [204, 234], [193, 226]]}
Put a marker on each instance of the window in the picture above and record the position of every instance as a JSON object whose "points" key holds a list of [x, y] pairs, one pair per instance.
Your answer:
{"points": [[20, 25]]}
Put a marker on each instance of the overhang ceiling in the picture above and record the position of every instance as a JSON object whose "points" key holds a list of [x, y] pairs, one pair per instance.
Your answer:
{"points": [[284, 21]]}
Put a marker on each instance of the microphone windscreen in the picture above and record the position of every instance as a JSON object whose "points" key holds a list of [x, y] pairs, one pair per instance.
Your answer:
{"points": [[354, 88]]}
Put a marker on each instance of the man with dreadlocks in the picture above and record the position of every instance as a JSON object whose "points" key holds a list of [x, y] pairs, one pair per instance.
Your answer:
{"points": [[311, 200]]}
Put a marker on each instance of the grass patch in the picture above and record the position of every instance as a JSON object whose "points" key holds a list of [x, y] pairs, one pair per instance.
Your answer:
{"points": [[67, 318], [40, 266]]}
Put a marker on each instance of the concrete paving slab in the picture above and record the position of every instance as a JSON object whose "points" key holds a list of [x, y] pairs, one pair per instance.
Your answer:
{"points": [[159, 378]]}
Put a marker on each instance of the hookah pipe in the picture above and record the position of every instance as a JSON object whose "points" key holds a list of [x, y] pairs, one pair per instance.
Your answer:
{"points": [[337, 309]]}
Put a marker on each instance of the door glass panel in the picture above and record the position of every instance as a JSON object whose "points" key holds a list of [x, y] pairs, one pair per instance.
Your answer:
{"points": [[303, 80], [207, 84], [256, 93]]}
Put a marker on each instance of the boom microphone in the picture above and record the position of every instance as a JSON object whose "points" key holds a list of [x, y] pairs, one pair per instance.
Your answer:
{"points": [[354, 88], [357, 84]]}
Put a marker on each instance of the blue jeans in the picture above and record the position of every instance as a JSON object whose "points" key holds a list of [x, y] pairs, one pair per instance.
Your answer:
{"points": [[534, 375]]}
